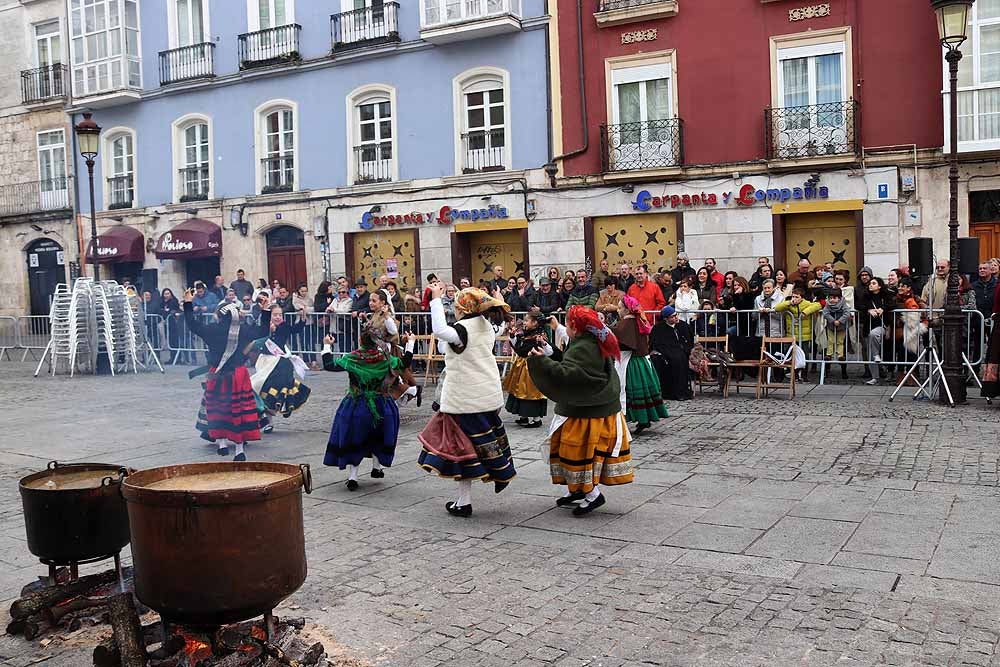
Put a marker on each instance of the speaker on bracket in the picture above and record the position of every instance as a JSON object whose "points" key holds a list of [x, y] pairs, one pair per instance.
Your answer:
{"points": [[921, 255], [968, 255]]}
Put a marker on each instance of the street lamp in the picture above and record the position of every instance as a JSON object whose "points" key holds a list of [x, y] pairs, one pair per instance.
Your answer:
{"points": [[952, 19], [88, 134]]}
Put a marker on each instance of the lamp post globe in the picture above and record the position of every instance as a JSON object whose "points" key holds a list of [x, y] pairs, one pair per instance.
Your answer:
{"points": [[88, 138], [952, 20]]}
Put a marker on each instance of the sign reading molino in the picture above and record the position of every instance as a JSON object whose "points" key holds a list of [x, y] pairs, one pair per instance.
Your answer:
{"points": [[444, 216], [747, 196]]}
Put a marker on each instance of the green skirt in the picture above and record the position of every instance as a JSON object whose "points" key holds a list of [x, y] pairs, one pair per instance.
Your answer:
{"points": [[643, 400]]}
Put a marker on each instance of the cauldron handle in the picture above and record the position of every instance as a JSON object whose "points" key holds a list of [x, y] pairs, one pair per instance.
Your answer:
{"points": [[109, 480], [52, 465], [307, 478]]}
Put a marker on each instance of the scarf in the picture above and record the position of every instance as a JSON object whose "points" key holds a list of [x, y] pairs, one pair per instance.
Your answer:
{"points": [[585, 319], [640, 317], [233, 336], [369, 366]]}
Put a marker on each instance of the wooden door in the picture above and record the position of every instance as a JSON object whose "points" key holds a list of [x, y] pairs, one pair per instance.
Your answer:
{"points": [[385, 252], [649, 239], [487, 249], [988, 234], [820, 238], [288, 266]]}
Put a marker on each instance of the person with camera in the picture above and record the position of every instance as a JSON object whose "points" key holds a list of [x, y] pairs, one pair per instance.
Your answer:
{"points": [[523, 397]]}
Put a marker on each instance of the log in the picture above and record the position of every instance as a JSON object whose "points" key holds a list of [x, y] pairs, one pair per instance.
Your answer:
{"points": [[50, 597], [16, 627], [74, 622], [57, 613], [127, 630], [276, 650], [152, 633], [238, 659], [35, 626], [168, 648], [106, 654], [313, 654]]}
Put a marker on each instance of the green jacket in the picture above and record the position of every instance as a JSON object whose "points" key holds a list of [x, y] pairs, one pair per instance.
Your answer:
{"points": [[799, 319], [583, 384]]}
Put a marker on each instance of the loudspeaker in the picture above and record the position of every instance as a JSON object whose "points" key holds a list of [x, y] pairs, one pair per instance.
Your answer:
{"points": [[921, 257], [968, 255]]}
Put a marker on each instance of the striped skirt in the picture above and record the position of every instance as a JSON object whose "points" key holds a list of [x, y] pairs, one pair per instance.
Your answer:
{"points": [[484, 452], [586, 452], [229, 408]]}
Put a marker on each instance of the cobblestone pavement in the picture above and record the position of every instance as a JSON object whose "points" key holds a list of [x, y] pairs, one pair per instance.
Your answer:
{"points": [[836, 529]]}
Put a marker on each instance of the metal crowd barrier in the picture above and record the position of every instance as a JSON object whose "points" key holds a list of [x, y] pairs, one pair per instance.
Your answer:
{"points": [[8, 336], [32, 334]]}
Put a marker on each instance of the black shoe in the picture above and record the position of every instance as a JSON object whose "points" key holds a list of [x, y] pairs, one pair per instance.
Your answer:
{"points": [[378, 473], [352, 485], [592, 505], [420, 395], [240, 458], [571, 499], [267, 428], [435, 406], [641, 427], [534, 424], [499, 486], [464, 510], [223, 451], [521, 421]]}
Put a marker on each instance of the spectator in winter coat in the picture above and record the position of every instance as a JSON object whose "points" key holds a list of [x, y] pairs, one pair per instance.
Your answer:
{"points": [[716, 277], [522, 298], [799, 313], [646, 292], [837, 320], [583, 294], [546, 299], [769, 322], [686, 301], [985, 286], [610, 301], [600, 275], [241, 285], [682, 271]]}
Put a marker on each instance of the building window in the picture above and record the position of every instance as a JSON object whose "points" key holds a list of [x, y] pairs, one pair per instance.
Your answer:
{"points": [[187, 22], [979, 81], [105, 45], [372, 135], [52, 169], [277, 138], [440, 12], [193, 158], [266, 14], [48, 48], [119, 165], [644, 132], [483, 101]]}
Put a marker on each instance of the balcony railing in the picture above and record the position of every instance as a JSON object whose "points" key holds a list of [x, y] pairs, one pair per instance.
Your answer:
{"points": [[485, 150], [194, 183], [196, 61], [43, 84], [611, 5], [120, 192], [278, 174], [35, 197], [273, 46], [442, 12], [373, 163], [652, 144], [365, 27], [793, 133]]}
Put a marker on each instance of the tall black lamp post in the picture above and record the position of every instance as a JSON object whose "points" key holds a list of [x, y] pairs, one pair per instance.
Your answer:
{"points": [[952, 19], [88, 135]]}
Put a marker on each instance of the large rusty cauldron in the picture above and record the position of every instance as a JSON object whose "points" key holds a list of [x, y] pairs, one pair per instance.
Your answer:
{"points": [[208, 556], [74, 513]]}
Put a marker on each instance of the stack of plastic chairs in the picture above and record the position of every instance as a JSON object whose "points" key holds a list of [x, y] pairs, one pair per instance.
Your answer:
{"points": [[69, 327]]}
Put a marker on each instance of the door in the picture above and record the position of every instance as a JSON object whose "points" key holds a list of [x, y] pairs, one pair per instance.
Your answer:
{"points": [[393, 253], [204, 269], [286, 256], [46, 268], [820, 238], [812, 86], [53, 193], [988, 234], [504, 247], [189, 23], [269, 42], [647, 239], [641, 107], [48, 52]]}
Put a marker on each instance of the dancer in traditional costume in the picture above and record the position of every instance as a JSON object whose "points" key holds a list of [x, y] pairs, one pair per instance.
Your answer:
{"points": [[228, 411], [278, 375], [385, 332], [588, 437], [523, 397], [466, 440], [643, 402], [367, 422]]}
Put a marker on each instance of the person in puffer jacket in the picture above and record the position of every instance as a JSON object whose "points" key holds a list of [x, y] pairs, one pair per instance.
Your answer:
{"points": [[799, 313]]}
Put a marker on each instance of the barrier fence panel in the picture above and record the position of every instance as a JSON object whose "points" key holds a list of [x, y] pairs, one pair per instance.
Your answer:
{"points": [[8, 336], [32, 334]]}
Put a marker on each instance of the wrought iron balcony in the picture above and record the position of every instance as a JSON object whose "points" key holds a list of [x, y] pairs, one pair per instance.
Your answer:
{"points": [[273, 46], [195, 61], [484, 150], [120, 192], [35, 197], [365, 27], [795, 133], [611, 5], [194, 183], [373, 163], [652, 144], [277, 174], [43, 84]]}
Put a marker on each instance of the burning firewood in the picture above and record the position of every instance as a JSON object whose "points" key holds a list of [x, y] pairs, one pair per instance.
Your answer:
{"points": [[47, 598]]}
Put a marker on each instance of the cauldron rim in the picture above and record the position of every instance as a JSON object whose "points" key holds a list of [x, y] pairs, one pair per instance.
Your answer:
{"points": [[68, 468], [135, 491]]}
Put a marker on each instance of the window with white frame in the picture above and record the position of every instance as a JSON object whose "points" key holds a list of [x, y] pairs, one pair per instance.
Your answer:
{"points": [[47, 80], [442, 12], [643, 132], [373, 139], [979, 80], [484, 109], [105, 45], [277, 149], [48, 48], [266, 14], [195, 176], [51, 145], [119, 166]]}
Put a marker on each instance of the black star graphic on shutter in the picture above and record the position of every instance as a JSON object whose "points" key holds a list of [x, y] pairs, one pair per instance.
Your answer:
{"points": [[612, 239], [839, 256], [368, 252], [651, 237], [518, 267], [487, 267], [397, 251], [803, 255]]}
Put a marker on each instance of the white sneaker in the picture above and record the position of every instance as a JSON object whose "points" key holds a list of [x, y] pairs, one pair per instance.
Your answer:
{"points": [[871, 382], [877, 359]]}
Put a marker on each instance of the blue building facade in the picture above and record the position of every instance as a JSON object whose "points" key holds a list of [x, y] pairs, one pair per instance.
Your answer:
{"points": [[260, 117]]}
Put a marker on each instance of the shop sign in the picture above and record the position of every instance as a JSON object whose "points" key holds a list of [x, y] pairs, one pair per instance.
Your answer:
{"points": [[168, 244], [747, 196], [107, 251], [444, 216]]}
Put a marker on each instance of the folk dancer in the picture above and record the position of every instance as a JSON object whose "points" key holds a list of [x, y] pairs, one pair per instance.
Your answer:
{"points": [[384, 329], [466, 440], [228, 408], [588, 437], [523, 397], [278, 374], [641, 397], [367, 422]]}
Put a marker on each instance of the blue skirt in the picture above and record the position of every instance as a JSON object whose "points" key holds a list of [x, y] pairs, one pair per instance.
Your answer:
{"points": [[356, 436], [493, 462]]}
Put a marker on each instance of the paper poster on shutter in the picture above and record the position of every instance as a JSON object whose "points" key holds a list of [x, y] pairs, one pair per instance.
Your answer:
{"points": [[391, 268], [33, 260]]}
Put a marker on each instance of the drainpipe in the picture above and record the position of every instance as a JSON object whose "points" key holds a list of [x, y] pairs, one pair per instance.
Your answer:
{"points": [[551, 168]]}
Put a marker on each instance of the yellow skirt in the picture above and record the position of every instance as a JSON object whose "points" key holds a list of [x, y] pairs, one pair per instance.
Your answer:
{"points": [[518, 382], [582, 454]]}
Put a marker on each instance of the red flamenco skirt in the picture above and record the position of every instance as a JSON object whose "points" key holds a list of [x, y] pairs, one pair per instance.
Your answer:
{"points": [[229, 408]]}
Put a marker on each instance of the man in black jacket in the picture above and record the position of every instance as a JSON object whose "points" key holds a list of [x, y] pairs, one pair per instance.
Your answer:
{"points": [[682, 271], [984, 285], [546, 299]]}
